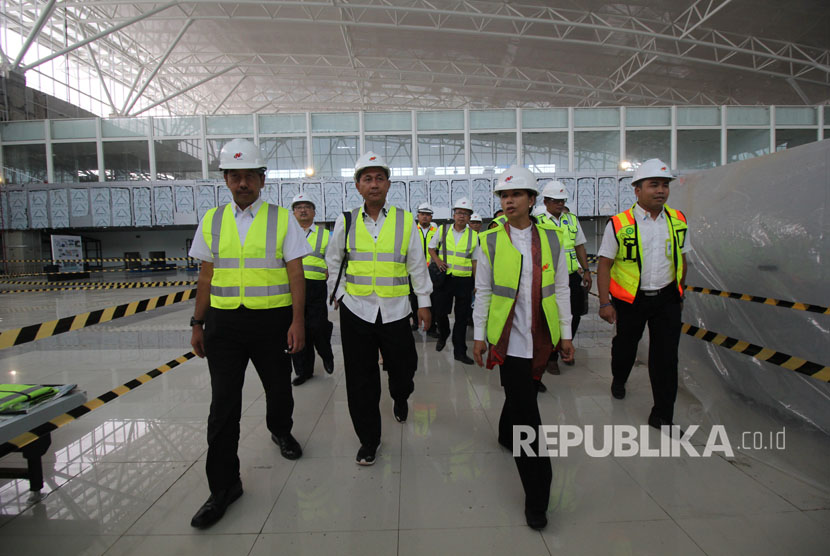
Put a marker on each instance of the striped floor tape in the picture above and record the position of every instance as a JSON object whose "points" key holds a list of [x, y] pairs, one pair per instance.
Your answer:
{"points": [[4, 277], [791, 362], [107, 286], [17, 336], [61, 420], [764, 300], [98, 260]]}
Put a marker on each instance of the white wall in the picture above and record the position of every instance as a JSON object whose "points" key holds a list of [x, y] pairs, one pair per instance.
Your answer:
{"points": [[115, 243]]}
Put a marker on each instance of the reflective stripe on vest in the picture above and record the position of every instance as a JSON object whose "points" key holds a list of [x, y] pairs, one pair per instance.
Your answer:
{"points": [[506, 264], [379, 266], [625, 272], [252, 274], [459, 256], [314, 264]]}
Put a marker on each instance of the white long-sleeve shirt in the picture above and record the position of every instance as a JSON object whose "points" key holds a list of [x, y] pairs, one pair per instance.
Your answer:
{"points": [[521, 338], [367, 306]]}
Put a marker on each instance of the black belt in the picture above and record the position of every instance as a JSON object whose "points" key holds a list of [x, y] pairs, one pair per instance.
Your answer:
{"points": [[652, 293]]}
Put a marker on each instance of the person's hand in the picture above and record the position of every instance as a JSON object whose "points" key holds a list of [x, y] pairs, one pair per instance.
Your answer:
{"points": [[197, 341], [566, 348], [608, 314], [425, 318], [296, 337], [587, 280], [479, 349], [442, 266], [335, 304]]}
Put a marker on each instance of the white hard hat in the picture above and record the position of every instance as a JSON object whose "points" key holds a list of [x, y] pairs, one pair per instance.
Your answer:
{"points": [[555, 190], [476, 217], [241, 154], [652, 168], [424, 207], [538, 210], [463, 203], [517, 177], [302, 198], [370, 160]]}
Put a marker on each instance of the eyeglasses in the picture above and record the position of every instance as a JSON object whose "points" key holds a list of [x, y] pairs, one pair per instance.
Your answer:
{"points": [[555, 200]]}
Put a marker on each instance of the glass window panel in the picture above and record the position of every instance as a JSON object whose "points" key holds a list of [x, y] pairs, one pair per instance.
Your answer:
{"points": [[236, 124], [492, 152], [440, 120], [75, 162], [334, 156], [642, 145], [698, 115], [335, 122], [124, 127], [698, 149], [73, 129], [742, 144], [441, 155], [286, 156], [387, 121], [396, 149], [177, 126], [24, 163], [596, 150], [789, 138], [493, 119], [126, 161], [282, 123], [795, 115], [596, 117], [554, 117], [178, 159], [643, 117], [22, 131], [214, 147], [546, 152], [747, 115]]}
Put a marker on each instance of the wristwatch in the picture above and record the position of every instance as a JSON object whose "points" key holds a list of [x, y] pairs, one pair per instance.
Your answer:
{"points": [[194, 321]]}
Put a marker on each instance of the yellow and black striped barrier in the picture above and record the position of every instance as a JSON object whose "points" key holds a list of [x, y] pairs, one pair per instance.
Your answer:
{"points": [[17, 336], [28, 437], [107, 286], [791, 362], [764, 300], [5, 277], [96, 260]]}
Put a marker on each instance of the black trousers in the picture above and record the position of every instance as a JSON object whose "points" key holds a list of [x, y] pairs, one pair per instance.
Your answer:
{"points": [[318, 329], [361, 342], [460, 289], [232, 338], [662, 314], [520, 408], [577, 300]]}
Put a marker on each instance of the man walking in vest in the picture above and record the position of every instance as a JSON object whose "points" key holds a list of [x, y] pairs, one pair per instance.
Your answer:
{"points": [[427, 229], [641, 272], [451, 250], [250, 300], [318, 328], [381, 252]]}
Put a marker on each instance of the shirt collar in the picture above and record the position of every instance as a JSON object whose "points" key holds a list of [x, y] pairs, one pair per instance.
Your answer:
{"points": [[641, 213], [384, 210], [252, 209]]}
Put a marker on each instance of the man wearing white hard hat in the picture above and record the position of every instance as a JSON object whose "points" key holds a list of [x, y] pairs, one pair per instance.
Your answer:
{"points": [[452, 252], [378, 251], [427, 229], [318, 328], [555, 196], [640, 277], [476, 222], [523, 312], [250, 300]]}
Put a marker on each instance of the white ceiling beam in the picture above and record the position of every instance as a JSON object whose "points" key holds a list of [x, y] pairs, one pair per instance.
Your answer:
{"points": [[34, 32], [102, 80], [184, 90]]}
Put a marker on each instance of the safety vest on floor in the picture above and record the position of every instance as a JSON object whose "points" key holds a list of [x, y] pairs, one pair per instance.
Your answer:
{"points": [[379, 266], [458, 256], [625, 272], [314, 264], [252, 275], [426, 239], [506, 264], [567, 230]]}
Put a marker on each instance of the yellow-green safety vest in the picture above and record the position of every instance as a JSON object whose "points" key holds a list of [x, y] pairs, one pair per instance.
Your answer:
{"points": [[252, 275], [625, 272], [459, 256], [14, 397], [425, 239], [314, 264], [379, 266], [506, 263], [567, 230]]}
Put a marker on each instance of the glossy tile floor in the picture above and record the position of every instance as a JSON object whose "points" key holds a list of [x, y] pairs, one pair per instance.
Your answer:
{"points": [[126, 478]]}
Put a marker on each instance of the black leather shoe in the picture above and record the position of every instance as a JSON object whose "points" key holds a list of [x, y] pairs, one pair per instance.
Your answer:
{"points": [[617, 390], [441, 343], [658, 423], [301, 379], [213, 510], [289, 447], [329, 366], [540, 386], [464, 358], [401, 410], [536, 520]]}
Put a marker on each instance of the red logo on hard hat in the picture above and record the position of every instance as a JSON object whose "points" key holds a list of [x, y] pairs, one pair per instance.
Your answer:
{"points": [[663, 168], [373, 157], [508, 178], [237, 156]]}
